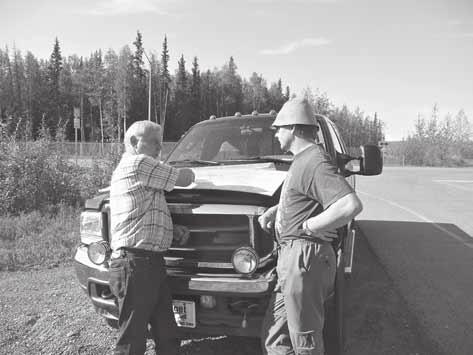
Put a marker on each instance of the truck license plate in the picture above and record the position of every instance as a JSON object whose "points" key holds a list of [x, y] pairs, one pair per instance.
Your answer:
{"points": [[184, 313]]}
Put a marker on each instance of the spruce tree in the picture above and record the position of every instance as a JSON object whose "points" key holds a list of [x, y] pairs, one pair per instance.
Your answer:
{"points": [[139, 96], [165, 79], [54, 72], [181, 121], [138, 57], [18, 80], [232, 95], [195, 100], [33, 85]]}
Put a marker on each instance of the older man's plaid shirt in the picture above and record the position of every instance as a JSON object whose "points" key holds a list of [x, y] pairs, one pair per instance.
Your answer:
{"points": [[139, 214]]}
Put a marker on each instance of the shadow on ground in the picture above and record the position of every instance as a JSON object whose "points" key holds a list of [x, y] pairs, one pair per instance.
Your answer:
{"points": [[377, 317]]}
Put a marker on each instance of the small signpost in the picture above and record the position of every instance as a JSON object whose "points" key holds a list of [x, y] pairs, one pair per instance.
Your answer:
{"points": [[76, 125]]}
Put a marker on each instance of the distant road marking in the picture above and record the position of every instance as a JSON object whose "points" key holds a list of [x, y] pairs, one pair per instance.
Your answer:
{"points": [[458, 181], [422, 217], [452, 182]]}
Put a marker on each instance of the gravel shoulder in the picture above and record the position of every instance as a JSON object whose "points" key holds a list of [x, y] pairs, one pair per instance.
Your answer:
{"points": [[45, 312]]}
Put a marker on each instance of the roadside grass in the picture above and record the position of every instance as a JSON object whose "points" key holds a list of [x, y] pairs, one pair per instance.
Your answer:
{"points": [[38, 238]]}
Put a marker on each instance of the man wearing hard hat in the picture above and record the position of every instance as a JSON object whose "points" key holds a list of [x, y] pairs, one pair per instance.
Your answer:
{"points": [[315, 200]]}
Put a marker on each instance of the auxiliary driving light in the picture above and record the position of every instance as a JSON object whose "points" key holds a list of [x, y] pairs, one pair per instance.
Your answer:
{"points": [[99, 252], [245, 260]]}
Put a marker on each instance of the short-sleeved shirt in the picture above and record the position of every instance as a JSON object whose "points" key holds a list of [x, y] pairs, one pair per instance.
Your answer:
{"points": [[139, 214], [312, 184]]}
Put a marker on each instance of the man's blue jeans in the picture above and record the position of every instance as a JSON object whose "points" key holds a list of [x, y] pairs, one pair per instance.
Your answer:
{"points": [[139, 283]]}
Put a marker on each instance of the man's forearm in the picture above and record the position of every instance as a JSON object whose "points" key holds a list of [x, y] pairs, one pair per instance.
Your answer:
{"points": [[272, 210], [337, 215]]}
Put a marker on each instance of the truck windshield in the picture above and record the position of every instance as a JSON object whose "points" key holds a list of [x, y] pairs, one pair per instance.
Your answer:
{"points": [[227, 140]]}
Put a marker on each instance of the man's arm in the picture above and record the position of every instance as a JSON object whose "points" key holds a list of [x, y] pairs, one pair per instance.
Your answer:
{"points": [[266, 220], [338, 214]]}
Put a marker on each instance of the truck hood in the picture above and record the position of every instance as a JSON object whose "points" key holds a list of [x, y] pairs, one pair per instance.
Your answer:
{"points": [[260, 178]]}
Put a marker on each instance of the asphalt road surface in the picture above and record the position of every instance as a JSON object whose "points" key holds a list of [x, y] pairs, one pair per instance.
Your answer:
{"points": [[418, 223]]}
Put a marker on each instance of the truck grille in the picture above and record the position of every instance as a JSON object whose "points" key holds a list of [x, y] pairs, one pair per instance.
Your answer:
{"points": [[213, 239]]}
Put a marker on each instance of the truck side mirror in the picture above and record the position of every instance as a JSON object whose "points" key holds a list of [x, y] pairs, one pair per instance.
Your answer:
{"points": [[371, 161]]}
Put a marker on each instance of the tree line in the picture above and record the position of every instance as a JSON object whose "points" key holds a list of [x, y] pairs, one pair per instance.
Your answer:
{"points": [[438, 141], [111, 91]]}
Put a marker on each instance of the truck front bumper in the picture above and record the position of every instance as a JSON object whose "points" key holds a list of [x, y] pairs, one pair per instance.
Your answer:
{"points": [[250, 294]]}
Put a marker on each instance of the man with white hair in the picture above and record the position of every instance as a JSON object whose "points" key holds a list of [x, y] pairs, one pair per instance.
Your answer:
{"points": [[141, 230]]}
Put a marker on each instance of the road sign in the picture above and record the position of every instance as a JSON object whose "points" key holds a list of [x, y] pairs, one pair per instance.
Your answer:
{"points": [[76, 117]]}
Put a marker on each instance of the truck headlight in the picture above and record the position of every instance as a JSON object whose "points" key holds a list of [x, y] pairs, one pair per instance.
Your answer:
{"points": [[99, 252], [245, 260], [91, 227]]}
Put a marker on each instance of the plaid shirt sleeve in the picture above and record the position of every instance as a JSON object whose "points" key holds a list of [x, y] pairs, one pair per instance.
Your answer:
{"points": [[157, 175]]}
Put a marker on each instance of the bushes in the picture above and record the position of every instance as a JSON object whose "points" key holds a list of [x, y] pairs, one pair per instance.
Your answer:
{"points": [[34, 176], [40, 197]]}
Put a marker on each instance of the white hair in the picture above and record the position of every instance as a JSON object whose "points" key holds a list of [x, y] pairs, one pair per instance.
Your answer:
{"points": [[140, 129]]}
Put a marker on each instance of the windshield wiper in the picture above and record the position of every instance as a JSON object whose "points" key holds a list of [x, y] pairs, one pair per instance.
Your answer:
{"points": [[269, 159], [194, 161]]}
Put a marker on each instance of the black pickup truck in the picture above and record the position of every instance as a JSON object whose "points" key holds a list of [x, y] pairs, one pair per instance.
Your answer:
{"points": [[222, 278]]}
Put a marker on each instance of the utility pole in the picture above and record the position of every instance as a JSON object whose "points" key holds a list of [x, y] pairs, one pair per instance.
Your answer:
{"points": [[149, 86]]}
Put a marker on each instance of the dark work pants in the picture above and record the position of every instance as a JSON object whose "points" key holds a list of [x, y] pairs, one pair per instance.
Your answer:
{"points": [[294, 320], [139, 283]]}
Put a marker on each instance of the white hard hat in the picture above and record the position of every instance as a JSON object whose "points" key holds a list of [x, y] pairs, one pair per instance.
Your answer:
{"points": [[295, 111]]}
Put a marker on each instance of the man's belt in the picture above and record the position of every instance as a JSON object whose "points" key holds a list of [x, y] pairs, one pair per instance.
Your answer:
{"points": [[138, 252], [286, 240]]}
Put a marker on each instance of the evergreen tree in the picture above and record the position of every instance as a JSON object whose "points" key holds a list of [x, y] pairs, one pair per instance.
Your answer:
{"points": [[54, 73], [156, 87], [276, 96], [231, 86], [165, 82], [195, 94], [33, 94], [7, 100], [206, 94], [182, 119], [139, 98], [18, 80], [137, 60]]}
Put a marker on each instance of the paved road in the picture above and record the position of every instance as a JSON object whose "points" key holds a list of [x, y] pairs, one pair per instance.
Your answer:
{"points": [[418, 222]]}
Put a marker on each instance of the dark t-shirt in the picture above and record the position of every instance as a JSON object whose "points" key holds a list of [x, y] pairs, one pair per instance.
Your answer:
{"points": [[312, 184]]}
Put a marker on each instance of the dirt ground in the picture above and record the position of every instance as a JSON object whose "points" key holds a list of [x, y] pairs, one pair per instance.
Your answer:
{"points": [[45, 312]]}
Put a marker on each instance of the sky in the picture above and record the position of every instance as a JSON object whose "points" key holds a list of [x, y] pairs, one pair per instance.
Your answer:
{"points": [[396, 58]]}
